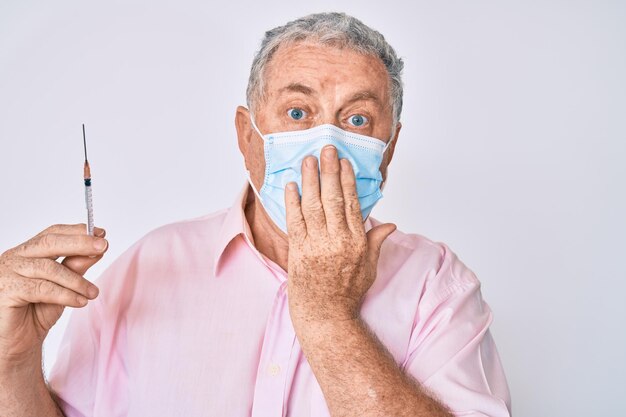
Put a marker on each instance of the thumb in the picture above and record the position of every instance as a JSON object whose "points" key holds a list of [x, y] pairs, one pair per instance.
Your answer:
{"points": [[375, 238], [80, 264]]}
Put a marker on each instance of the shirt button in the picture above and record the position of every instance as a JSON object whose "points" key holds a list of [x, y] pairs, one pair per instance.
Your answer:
{"points": [[273, 369]]}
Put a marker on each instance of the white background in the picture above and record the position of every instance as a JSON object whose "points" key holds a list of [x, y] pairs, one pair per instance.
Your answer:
{"points": [[512, 151]]}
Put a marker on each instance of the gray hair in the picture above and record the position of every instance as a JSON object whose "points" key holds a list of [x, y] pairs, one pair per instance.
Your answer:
{"points": [[334, 29]]}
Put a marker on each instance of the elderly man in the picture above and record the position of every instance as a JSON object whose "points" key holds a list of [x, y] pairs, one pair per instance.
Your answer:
{"points": [[292, 302]]}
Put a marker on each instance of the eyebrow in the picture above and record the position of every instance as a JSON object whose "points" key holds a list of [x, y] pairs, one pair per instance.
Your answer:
{"points": [[365, 95], [298, 88], [306, 90]]}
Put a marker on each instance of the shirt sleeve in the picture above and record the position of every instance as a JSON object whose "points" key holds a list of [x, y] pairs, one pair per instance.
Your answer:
{"points": [[74, 376], [451, 351], [89, 377]]}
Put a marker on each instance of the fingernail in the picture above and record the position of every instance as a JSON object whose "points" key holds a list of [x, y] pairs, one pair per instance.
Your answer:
{"points": [[92, 291], [330, 151], [292, 186], [99, 232], [309, 162], [100, 244]]}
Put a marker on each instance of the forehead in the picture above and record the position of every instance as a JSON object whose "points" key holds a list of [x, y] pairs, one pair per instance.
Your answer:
{"points": [[325, 69]]}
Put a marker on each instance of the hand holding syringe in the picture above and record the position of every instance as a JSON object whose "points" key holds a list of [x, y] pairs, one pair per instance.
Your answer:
{"points": [[35, 286]]}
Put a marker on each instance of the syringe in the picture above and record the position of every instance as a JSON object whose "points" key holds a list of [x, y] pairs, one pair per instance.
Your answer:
{"points": [[88, 198]]}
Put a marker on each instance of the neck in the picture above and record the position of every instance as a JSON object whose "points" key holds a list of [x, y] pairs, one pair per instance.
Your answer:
{"points": [[268, 239]]}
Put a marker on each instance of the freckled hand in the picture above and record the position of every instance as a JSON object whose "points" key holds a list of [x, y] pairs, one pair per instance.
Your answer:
{"points": [[332, 260]]}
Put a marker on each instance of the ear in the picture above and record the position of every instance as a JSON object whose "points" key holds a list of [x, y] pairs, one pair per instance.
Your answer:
{"points": [[245, 131]]}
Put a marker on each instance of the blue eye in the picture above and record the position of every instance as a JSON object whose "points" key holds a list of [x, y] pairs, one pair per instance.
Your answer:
{"points": [[296, 114], [357, 120]]}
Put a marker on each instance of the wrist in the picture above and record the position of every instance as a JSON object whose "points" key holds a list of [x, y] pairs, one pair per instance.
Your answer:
{"points": [[323, 314], [27, 364], [326, 328]]}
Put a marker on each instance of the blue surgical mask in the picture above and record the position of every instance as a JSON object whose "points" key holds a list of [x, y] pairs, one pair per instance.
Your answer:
{"points": [[285, 151]]}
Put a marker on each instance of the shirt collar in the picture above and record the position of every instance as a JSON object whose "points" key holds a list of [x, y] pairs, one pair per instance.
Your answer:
{"points": [[235, 224]]}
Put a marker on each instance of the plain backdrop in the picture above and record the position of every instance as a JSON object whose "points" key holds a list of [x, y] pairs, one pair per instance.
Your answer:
{"points": [[512, 151]]}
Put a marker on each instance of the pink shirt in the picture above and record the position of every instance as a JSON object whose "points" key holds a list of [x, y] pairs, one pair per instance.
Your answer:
{"points": [[193, 321]]}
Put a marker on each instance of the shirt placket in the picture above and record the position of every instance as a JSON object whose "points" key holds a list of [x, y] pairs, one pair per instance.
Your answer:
{"points": [[274, 374]]}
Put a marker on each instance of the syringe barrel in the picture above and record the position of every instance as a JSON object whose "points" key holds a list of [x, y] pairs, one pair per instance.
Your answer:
{"points": [[89, 204]]}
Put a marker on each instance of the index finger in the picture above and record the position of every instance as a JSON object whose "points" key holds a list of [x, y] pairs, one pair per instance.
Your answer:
{"points": [[54, 245], [71, 229]]}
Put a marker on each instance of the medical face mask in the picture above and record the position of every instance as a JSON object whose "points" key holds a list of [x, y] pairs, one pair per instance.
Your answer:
{"points": [[285, 151]]}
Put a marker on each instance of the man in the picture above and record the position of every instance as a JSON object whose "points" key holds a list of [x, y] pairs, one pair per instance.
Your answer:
{"points": [[292, 302]]}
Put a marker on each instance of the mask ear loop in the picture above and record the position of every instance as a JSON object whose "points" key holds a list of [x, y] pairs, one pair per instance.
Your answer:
{"points": [[248, 176], [256, 128], [393, 136]]}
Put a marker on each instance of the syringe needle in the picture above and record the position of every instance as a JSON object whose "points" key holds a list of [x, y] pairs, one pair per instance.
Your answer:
{"points": [[85, 142]]}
